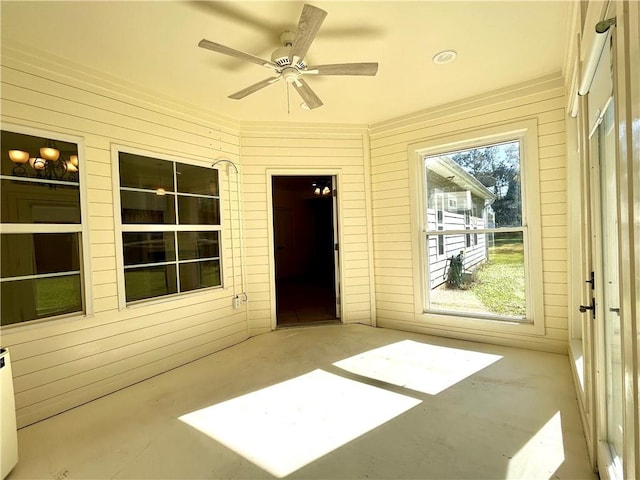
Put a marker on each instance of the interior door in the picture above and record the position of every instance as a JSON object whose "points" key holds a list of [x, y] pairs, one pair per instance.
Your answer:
{"points": [[336, 257]]}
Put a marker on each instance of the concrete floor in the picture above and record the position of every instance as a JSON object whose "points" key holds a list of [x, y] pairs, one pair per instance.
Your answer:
{"points": [[327, 402]]}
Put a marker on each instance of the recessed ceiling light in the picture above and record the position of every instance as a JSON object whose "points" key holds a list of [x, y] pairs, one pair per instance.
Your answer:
{"points": [[446, 56]]}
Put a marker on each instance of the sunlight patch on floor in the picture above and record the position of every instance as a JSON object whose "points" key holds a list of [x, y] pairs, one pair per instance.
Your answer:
{"points": [[288, 425], [543, 453], [419, 366]]}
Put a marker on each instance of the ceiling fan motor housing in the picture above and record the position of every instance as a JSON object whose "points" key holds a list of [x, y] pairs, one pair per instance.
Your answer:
{"points": [[280, 57]]}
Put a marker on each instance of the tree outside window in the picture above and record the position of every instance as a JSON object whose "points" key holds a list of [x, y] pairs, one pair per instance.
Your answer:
{"points": [[482, 269]]}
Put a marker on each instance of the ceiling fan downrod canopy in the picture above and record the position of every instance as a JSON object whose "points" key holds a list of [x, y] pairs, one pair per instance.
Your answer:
{"points": [[287, 62]]}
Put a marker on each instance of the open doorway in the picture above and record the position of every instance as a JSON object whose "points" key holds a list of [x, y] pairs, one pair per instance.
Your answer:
{"points": [[304, 226]]}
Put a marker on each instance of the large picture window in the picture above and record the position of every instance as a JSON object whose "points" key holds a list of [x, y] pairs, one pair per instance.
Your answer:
{"points": [[475, 251], [170, 222], [41, 240]]}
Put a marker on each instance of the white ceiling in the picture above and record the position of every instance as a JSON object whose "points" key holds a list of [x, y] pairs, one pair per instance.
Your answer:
{"points": [[154, 45]]}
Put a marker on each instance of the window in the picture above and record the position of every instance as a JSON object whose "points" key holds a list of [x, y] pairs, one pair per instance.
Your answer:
{"points": [[439, 207], [467, 226], [489, 267], [170, 223], [42, 233]]}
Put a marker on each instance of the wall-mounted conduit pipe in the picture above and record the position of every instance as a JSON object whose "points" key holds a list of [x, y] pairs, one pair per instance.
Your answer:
{"points": [[237, 299]]}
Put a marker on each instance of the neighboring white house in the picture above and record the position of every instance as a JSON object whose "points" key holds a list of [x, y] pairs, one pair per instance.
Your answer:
{"points": [[456, 201]]}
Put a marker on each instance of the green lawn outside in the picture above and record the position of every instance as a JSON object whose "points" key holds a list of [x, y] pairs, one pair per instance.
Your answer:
{"points": [[58, 295], [499, 283]]}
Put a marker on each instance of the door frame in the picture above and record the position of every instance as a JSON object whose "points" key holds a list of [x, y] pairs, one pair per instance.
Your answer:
{"points": [[302, 172], [626, 77]]}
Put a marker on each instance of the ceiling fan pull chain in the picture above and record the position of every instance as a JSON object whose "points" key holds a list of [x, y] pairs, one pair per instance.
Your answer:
{"points": [[288, 102]]}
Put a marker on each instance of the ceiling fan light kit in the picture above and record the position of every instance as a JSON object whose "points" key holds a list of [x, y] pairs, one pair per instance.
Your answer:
{"points": [[287, 62]]}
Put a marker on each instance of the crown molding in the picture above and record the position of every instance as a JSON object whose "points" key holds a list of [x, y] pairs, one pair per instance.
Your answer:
{"points": [[22, 57]]}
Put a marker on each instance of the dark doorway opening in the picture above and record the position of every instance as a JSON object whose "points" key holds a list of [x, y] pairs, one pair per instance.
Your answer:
{"points": [[303, 226]]}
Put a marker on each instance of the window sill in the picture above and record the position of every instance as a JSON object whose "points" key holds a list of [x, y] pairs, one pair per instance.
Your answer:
{"points": [[44, 322], [176, 297], [480, 325]]}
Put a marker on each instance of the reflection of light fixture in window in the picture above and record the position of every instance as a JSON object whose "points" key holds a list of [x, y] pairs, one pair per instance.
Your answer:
{"points": [[72, 163], [37, 163], [160, 191], [316, 190], [326, 191], [49, 152], [18, 156], [45, 163]]}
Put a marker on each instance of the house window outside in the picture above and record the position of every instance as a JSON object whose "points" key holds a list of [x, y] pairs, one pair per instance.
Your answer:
{"points": [[41, 241], [440, 215], [480, 273], [467, 226], [170, 222]]}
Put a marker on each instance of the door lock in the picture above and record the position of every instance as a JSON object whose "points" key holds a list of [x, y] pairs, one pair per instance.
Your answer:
{"points": [[592, 307], [592, 281]]}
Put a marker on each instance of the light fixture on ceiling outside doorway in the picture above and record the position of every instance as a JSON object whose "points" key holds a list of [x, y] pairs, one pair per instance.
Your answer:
{"points": [[321, 188]]}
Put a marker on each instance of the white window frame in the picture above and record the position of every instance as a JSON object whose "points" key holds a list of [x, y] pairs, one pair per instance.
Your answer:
{"points": [[82, 228], [120, 227], [526, 132]]}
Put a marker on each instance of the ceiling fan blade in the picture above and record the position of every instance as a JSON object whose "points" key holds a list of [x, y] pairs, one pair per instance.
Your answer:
{"points": [[310, 21], [368, 69], [216, 47], [308, 95], [254, 88]]}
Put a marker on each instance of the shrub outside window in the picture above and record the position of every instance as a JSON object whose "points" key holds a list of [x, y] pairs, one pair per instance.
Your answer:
{"points": [[170, 223], [42, 233]]}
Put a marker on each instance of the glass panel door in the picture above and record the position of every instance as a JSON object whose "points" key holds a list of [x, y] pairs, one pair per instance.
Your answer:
{"points": [[608, 293], [612, 344]]}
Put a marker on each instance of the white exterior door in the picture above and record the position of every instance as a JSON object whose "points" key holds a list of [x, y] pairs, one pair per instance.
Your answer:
{"points": [[607, 294]]}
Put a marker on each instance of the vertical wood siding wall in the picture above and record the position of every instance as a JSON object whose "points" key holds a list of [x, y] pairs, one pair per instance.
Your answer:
{"points": [[59, 364], [392, 228], [303, 149]]}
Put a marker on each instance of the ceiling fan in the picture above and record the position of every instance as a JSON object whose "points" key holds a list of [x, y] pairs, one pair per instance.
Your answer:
{"points": [[287, 62]]}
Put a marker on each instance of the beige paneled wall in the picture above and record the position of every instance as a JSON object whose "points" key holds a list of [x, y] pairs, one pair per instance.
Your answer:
{"points": [[543, 101], [62, 363], [307, 150], [58, 364]]}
